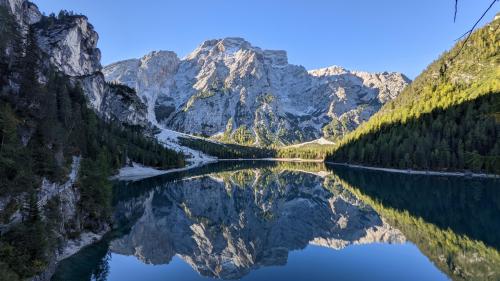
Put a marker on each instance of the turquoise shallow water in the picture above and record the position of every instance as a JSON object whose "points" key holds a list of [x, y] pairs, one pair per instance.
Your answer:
{"points": [[284, 221]]}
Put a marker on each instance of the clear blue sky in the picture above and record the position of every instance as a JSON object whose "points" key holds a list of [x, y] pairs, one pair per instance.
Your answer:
{"points": [[371, 35]]}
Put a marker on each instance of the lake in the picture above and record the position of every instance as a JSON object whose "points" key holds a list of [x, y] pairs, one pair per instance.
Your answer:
{"points": [[296, 221]]}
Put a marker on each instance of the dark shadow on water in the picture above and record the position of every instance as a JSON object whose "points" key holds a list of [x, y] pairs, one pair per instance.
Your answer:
{"points": [[467, 206]]}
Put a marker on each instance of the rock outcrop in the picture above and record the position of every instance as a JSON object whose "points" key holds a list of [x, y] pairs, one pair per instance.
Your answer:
{"points": [[69, 43], [228, 88], [25, 12]]}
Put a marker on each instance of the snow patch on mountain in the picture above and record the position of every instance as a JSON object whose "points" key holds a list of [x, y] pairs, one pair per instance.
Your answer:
{"points": [[170, 139]]}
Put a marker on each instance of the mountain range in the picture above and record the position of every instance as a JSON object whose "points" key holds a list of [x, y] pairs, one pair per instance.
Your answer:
{"points": [[226, 89], [231, 91]]}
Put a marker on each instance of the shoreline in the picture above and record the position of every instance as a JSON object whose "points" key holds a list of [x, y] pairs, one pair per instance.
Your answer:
{"points": [[273, 160], [139, 172], [417, 172]]}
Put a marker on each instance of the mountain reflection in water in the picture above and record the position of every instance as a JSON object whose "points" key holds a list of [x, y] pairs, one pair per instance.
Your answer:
{"points": [[226, 224], [228, 220]]}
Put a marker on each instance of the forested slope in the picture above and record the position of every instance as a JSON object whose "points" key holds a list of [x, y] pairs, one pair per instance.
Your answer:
{"points": [[227, 150], [44, 123], [447, 119]]}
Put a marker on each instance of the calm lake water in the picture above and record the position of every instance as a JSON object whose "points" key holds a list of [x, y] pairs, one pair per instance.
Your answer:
{"points": [[296, 221]]}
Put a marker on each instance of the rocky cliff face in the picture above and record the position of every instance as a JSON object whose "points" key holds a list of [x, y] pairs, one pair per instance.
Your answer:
{"points": [[239, 221], [66, 44], [69, 43], [238, 92], [58, 203], [25, 12], [68, 232]]}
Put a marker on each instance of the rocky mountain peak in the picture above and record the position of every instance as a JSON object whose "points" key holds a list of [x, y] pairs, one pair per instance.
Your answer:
{"points": [[227, 45], [232, 43], [71, 43], [231, 47], [227, 88], [157, 66], [328, 71], [161, 56]]}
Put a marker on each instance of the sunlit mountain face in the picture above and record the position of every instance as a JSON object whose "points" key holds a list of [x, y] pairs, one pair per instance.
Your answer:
{"points": [[235, 222]]}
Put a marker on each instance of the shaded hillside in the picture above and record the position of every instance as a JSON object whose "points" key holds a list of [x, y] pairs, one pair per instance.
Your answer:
{"points": [[447, 119]]}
